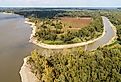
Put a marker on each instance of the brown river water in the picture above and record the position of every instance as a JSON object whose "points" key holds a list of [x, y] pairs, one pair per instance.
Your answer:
{"points": [[14, 46]]}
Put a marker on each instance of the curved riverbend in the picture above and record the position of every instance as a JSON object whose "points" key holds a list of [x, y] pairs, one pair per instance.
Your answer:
{"points": [[108, 38], [104, 39]]}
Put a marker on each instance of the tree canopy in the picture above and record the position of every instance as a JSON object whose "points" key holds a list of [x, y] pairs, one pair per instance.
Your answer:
{"points": [[76, 65]]}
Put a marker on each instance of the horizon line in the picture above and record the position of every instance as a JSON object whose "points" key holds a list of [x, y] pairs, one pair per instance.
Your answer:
{"points": [[63, 6]]}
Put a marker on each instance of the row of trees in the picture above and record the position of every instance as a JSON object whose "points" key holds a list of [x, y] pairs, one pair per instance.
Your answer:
{"points": [[38, 14]]}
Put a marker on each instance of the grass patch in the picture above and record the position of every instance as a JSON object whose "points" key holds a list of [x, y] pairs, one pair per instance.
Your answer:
{"points": [[53, 42]]}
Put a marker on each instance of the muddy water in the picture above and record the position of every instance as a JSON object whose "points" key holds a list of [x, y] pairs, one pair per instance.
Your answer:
{"points": [[14, 46]]}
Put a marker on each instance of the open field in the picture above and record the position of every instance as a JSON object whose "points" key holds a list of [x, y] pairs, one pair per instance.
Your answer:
{"points": [[75, 23]]}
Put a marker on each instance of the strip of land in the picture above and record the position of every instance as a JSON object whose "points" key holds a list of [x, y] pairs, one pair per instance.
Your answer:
{"points": [[68, 45], [26, 74]]}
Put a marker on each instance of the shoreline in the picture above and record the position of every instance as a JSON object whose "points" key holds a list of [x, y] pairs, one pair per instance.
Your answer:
{"points": [[26, 74], [25, 71], [7, 13], [32, 25], [47, 46]]}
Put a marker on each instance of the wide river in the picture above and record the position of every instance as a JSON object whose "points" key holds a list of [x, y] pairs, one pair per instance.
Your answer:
{"points": [[14, 46]]}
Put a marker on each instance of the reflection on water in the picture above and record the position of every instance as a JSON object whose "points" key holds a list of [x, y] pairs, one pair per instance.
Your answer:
{"points": [[14, 46]]}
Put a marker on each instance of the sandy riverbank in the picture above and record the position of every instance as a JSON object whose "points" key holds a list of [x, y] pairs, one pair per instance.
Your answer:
{"points": [[33, 28], [26, 74], [7, 13], [25, 71]]}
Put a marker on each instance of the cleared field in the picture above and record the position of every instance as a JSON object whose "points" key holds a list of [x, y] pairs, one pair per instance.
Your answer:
{"points": [[73, 23]]}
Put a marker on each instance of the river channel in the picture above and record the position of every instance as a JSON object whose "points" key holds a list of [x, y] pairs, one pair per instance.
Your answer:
{"points": [[14, 46]]}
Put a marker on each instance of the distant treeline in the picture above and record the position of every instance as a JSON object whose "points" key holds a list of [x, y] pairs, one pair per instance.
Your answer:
{"points": [[54, 13], [39, 14]]}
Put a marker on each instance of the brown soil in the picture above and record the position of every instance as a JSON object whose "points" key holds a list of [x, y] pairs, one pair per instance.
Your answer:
{"points": [[75, 23]]}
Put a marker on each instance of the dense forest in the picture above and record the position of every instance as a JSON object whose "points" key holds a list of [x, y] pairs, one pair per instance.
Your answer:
{"points": [[77, 65]]}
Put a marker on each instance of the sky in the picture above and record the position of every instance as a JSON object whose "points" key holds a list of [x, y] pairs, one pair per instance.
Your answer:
{"points": [[60, 3]]}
